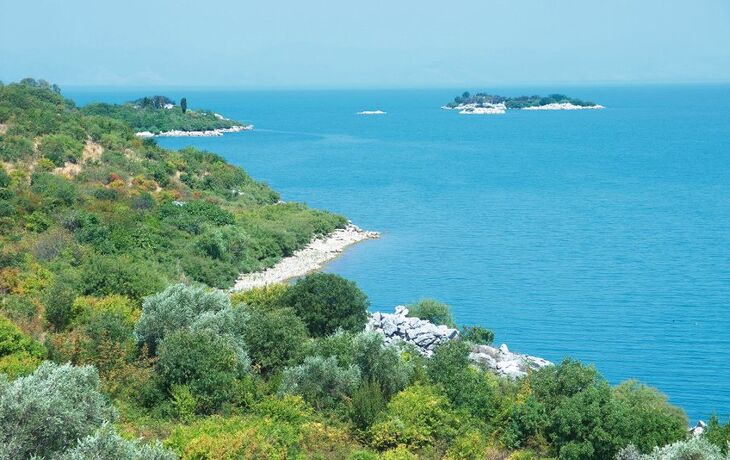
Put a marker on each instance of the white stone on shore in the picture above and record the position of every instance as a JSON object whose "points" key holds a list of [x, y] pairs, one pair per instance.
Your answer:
{"points": [[425, 336], [311, 258], [481, 109], [563, 106], [209, 133]]}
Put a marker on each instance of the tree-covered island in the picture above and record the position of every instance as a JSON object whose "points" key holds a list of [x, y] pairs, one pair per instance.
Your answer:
{"points": [[482, 103], [160, 115]]}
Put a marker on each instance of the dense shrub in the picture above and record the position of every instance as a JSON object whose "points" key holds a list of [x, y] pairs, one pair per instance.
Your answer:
{"points": [[19, 354], [327, 302], [418, 416], [269, 297], [60, 148], [465, 386], [477, 334], [378, 363], [107, 275], [205, 362], [432, 310], [718, 434], [368, 402], [321, 381], [175, 308], [45, 413], [588, 419], [13, 148], [274, 338], [695, 448], [105, 443]]}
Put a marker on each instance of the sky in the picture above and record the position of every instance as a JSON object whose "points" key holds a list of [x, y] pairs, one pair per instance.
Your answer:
{"points": [[364, 44]]}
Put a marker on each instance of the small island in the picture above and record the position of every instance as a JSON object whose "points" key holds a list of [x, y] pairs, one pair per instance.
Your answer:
{"points": [[160, 116], [490, 104]]}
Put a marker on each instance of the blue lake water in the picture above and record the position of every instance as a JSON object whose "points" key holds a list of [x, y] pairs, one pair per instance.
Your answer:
{"points": [[601, 235]]}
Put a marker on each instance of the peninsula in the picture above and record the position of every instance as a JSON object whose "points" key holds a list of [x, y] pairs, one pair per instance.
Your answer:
{"points": [[489, 104], [161, 116]]}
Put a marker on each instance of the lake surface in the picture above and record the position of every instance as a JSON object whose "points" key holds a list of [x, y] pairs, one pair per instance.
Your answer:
{"points": [[602, 235]]}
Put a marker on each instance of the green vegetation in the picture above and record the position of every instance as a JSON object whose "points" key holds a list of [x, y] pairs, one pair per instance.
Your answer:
{"points": [[432, 310], [158, 114], [520, 102], [113, 343]]}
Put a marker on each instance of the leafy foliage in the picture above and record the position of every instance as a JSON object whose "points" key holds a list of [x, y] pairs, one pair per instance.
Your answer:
{"points": [[432, 310], [150, 114], [46, 412], [327, 302]]}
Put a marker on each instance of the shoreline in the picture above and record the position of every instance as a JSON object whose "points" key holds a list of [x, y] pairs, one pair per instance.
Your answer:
{"points": [[207, 133], [310, 258]]}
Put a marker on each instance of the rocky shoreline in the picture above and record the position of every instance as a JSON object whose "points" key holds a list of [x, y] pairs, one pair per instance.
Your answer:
{"points": [[208, 133], [501, 108], [306, 260], [425, 336]]}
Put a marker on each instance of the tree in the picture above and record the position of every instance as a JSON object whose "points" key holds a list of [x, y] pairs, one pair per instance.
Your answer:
{"points": [[205, 362], [184, 104], [321, 381], [327, 302], [175, 308], [432, 310], [274, 338], [46, 412]]}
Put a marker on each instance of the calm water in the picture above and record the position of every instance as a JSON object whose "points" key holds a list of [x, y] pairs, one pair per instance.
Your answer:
{"points": [[601, 235]]}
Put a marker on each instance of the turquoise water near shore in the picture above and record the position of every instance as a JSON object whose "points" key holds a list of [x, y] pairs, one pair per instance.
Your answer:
{"points": [[602, 235]]}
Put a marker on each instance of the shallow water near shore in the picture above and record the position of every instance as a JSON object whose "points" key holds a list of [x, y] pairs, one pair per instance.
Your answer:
{"points": [[600, 234]]}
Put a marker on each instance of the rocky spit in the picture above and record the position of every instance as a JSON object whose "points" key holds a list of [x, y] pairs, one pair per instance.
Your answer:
{"points": [[426, 336], [501, 108], [306, 260], [207, 133], [564, 106]]}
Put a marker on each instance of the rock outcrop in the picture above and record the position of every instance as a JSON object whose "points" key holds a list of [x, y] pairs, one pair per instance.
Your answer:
{"points": [[398, 326], [425, 336], [502, 361]]}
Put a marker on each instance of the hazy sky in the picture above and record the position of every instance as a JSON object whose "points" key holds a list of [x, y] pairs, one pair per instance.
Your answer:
{"points": [[373, 43]]}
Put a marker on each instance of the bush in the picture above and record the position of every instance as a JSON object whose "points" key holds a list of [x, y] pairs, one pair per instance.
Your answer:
{"points": [[12, 341], [327, 302], [691, 449], [59, 299], [589, 419], [465, 387], [206, 363], [419, 416], [175, 308], [432, 310], [269, 297], [19, 354], [105, 275], [321, 381], [46, 412], [14, 148], [367, 404], [478, 335], [718, 434], [274, 338], [60, 148], [56, 191], [105, 443]]}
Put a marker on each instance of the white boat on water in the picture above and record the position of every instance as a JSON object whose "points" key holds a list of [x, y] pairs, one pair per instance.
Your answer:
{"points": [[371, 112]]}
